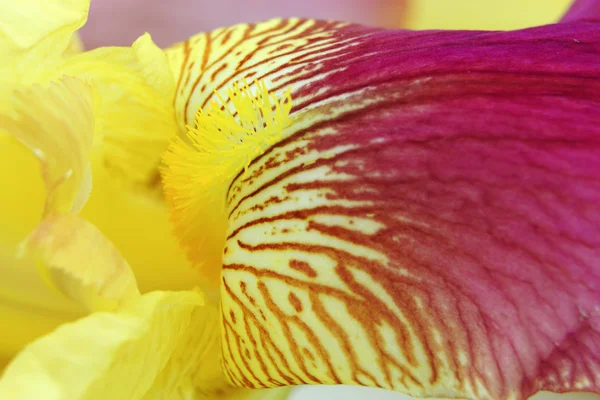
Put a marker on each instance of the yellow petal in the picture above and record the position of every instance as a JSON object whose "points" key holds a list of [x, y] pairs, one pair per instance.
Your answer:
{"points": [[165, 345], [140, 228], [75, 46], [22, 205], [34, 33], [135, 116], [29, 308], [475, 14], [76, 257], [56, 123], [134, 113]]}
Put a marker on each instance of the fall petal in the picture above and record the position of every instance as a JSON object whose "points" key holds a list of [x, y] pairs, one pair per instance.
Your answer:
{"points": [[429, 224]]}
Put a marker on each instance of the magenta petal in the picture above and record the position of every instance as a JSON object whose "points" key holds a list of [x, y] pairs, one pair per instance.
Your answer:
{"points": [[583, 9], [433, 225]]}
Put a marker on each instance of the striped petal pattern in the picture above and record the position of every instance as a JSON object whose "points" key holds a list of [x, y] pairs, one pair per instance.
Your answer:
{"points": [[429, 223]]}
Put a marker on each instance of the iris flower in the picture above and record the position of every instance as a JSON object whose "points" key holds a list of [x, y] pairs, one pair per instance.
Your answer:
{"points": [[415, 211]]}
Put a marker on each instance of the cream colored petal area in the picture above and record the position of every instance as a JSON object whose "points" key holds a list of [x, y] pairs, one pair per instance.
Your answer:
{"points": [[135, 88], [113, 355], [83, 264], [35, 32], [56, 123]]}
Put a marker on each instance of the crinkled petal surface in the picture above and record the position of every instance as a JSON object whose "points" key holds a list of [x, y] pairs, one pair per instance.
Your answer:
{"points": [[56, 122], [430, 222], [105, 355], [164, 345]]}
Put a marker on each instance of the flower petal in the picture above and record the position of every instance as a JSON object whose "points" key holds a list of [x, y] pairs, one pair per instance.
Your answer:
{"points": [[34, 34], [429, 224], [75, 46], [165, 345], [582, 9], [135, 121], [57, 124], [140, 228], [492, 15], [135, 115], [29, 308], [76, 257]]}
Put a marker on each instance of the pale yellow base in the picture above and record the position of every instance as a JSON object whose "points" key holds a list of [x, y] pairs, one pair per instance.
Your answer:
{"points": [[483, 14]]}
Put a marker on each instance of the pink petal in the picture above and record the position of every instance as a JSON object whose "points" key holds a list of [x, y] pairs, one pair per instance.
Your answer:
{"points": [[432, 225], [583, 9]]}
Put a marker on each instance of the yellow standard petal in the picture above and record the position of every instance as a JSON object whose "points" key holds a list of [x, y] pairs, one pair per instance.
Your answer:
{"points": [[75, 256], [34, 33], [37, 116], [135, 119], [34, 116], [135, 90], [475, 14], [165, 345]]}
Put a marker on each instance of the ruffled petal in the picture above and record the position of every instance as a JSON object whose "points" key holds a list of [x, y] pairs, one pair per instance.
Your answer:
{"points": [[165, 345], [57, 124], [135, 88], [428, 224], [77, 259], [34, 34]]}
